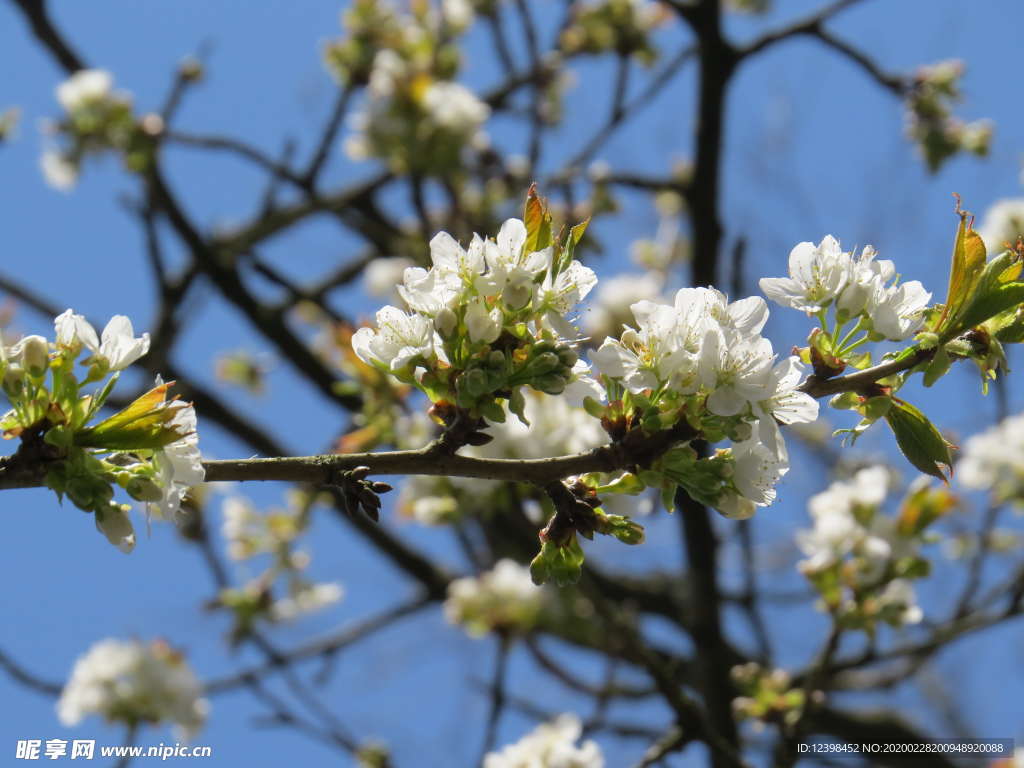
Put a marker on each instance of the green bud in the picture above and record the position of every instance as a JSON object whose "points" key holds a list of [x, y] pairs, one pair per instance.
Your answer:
{"points": [[876, 407], [35, 355], [845, 401], [473, 383], [546, 362], [144, 489], [14, 381], [551, 385], [568, 356]]}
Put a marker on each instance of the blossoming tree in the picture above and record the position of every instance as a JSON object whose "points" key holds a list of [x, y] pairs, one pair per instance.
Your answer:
{"points": [[528, 405]]}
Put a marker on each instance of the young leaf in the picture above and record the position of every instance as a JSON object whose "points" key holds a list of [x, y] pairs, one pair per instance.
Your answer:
{"points": [[918, 439], [965, 270], [538, 222]]}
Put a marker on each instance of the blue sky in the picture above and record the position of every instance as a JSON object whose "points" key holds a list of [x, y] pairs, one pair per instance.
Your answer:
{"points": [[812, 148]]}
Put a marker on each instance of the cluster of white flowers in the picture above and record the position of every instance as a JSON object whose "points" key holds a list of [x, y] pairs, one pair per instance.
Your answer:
{"points": [[550, 745], [849, 528], [1003, 224], [158, 473], [994, 460], [504, 598], [409, 112], [134, 683], [118, 348], [84, 87], [306, 599], [824, 275], [705, 344], [96, 118], [484, 289]]}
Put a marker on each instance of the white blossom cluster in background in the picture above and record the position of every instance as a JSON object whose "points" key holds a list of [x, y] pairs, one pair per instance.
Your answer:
{"points": [[96, 118], [402, 117], [994, 460], [248, 533], [610, 306], [503, 599], [549, 745], [854, 551], [556, 428], [624, 26], [1003, 224], [705, 344], [824, 275], [134, 683]]}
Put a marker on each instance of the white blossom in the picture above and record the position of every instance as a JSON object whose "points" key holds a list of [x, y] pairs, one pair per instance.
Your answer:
{"points": [[837, 531], [458, 14], [118, 348], [868, 276], [1002, 224], [898, 312], [504, 597], [899, 594], [399, 340], [179, 464], [649, 355], [310, 598], [817, 275], [613, 299], [132, 682], [737, 368], [382, 276], [994, 460], [114, 523], [242, 527], [59, 172], [787, 404], [83, 87], [549, 745], [454, 107], [760, 462]]}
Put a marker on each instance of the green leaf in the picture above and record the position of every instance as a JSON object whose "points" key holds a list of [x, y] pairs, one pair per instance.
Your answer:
{"points": [[999, 298], [622, 528], [965, 270], [538, 222], [143, 424], [918, 439]]}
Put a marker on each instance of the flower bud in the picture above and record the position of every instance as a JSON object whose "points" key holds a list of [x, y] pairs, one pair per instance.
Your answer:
{"points": [[445, 322], [115, 525], [35, 355], [551, 385], [546, 362], [474, 383], [144, 489], [14, 381], [568, 356]]}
